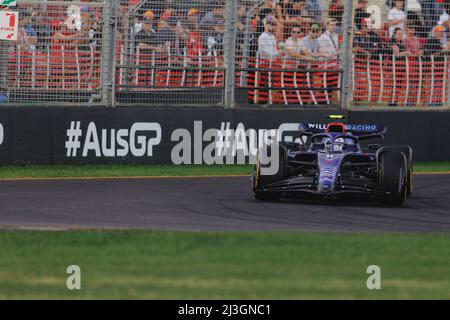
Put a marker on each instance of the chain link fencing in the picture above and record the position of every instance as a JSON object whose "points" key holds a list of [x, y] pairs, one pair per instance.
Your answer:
{"points": [[171, 53], [401, 54], [57, 57], [281, 53], [289, 52]]}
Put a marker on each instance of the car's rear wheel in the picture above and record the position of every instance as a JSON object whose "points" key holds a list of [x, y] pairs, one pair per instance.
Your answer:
{"points": [[392, 175], [260, 181]]}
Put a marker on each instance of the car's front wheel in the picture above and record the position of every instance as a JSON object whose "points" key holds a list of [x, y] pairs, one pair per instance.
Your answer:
{"points": [[393, 176], [260, 180]]}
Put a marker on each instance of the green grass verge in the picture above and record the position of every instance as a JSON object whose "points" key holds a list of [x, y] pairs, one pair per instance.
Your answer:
{"points": [[58, 171], [178, 265]]}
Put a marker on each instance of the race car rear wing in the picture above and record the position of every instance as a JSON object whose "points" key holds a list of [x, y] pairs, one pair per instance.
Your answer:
{"points": [[361, 131]]}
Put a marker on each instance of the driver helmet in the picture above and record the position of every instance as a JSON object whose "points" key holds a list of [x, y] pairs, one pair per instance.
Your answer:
{"points": [[327, 144], [338, 145]]}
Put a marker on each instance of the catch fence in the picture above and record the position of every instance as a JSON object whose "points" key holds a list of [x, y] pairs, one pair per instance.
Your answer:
{"points": [[235, 53]]}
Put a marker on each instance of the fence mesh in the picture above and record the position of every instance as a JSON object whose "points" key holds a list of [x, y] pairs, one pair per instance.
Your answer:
{"points": [[56, 58], [288, 52], [401, 53], [199, 52], [171, 52]]}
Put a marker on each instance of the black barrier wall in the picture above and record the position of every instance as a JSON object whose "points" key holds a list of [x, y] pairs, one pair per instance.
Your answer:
{"points": [[160, 135]]}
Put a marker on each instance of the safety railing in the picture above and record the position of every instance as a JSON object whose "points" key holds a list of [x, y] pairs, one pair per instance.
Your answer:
{"points": [[216, 52], [401, 82], [290, 82], [162, 78]]}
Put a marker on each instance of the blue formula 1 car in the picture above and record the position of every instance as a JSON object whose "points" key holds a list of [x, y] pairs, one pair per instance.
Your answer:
{"points": [[332, 164]]}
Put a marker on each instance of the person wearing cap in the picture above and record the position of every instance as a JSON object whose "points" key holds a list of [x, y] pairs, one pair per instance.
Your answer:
{"points": [[146, 20], [437, 44], [396, 17], [328, 41], [311, 42], [145, 38], [267, 43], [162, 41], [193, 38]]}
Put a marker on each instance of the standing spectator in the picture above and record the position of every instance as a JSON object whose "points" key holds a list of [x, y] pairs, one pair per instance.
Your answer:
{"points": [[267, 43], [27, 35], [413, 45], [434, 49], [267, 50], [283, 19], [437, 44], [298, 14], [397, 17], [445, 17], [430, 13], [68, 36], [412, 42], [329, 44], [43, 31], [240, 28], [361, 13], [315, 9], [213, 26], [144, 37], [367, 44], [336, 11], [398, 66], [253, 38], [328, 41], [194, 42], [294, 46], [267, 9]]}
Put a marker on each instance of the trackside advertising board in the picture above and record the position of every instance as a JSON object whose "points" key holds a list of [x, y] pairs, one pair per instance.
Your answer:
{"points": [[191, 135]]}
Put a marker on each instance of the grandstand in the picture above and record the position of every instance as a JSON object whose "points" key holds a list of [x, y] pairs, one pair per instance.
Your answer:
{"points": [[286, 53]]}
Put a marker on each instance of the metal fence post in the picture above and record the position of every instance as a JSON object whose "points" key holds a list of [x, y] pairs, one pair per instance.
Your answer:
{"points": [[108, 52], [346, 53], [447, 74], [230, 52]]}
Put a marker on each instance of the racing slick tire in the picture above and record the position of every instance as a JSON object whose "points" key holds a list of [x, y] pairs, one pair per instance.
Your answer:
{"points": [[408, 152], [260, 181], [392, 175]]}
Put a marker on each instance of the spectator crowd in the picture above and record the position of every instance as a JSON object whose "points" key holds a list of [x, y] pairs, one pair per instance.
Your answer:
{"points": [[298, 29], [307, 30]]}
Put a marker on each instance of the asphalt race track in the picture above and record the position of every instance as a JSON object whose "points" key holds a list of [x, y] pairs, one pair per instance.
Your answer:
{"points": [[224, 203]]}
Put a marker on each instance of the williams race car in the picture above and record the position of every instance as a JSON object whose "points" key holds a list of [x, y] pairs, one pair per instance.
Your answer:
{"points": [[332, 164]]}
